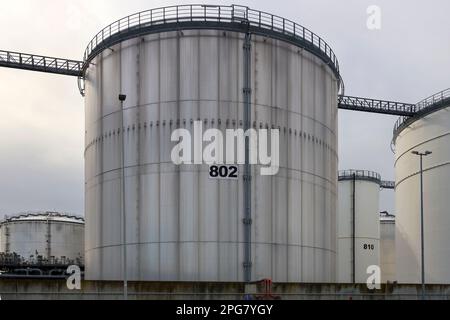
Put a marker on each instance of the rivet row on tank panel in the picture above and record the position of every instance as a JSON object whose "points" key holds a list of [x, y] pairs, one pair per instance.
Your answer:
{"points": [[213, 121]]}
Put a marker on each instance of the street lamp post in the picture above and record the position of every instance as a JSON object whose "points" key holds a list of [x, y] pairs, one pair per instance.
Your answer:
{"points": [[421, 155], [122, 99]]}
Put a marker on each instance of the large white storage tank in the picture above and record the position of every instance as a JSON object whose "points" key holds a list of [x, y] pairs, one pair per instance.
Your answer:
{"points": [[43, 237], [387, 247], [358, 225], [181, 64], [428, 131]]}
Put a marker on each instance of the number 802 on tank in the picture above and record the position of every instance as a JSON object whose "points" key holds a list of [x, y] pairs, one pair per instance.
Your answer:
{"points": [[224, 172]]}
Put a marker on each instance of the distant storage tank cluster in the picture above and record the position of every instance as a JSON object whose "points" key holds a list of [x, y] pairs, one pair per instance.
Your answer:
{"points": [[387, 247], [212, 64], [44, 237], [428, 131], [358, 225]]}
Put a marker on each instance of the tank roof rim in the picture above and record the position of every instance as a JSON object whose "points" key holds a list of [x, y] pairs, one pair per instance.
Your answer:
{"points": [[42, 216], [430, 105], [224, 20]]}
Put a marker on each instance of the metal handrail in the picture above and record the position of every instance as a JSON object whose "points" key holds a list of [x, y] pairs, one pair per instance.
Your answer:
{"points": [[422, 107], [37, 62], [346, 174], [19, 216], [388, 184], [210, 13], [376, 105]]}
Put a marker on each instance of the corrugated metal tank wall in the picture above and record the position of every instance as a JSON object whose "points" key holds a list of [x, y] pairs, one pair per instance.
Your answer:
{"points": [[362, 196], [430, 133], [387, 253], [181, 225], [29, 236]]}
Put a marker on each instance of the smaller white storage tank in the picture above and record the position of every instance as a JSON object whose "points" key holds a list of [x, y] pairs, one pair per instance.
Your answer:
{"points": [[428, 130], [43, 238], [387, 246], [358, 225]]}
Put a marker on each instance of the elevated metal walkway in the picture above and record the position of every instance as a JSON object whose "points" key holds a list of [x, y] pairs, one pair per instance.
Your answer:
{"points": [[387, 185], [376, 106], [39, 63]]}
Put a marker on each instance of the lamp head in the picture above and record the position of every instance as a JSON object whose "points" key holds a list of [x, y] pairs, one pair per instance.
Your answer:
{"points": [[122, 97]]}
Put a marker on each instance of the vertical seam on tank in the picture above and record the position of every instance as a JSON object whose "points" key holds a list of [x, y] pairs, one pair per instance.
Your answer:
{"points": [[100, 218], [314, 168], [177, 168], [255, 168], [198, 172], [275, 226], [219, 182], [320, 171], [301, 166], [288, 142], [159, 155], [329, 173], [323, 169], [139, 168], [272, 216], [123, 183], [238, 208]]}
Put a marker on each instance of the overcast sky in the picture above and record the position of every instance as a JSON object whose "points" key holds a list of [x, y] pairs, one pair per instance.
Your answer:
{"points": [[42, 116]]}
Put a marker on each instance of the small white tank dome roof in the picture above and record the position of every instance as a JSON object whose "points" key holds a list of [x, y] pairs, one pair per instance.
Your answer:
{"points": [[44, 216]]}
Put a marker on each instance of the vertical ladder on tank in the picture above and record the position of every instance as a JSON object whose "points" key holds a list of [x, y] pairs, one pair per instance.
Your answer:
{"points": [[7, 240], [247, 92], [48, 239]]}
